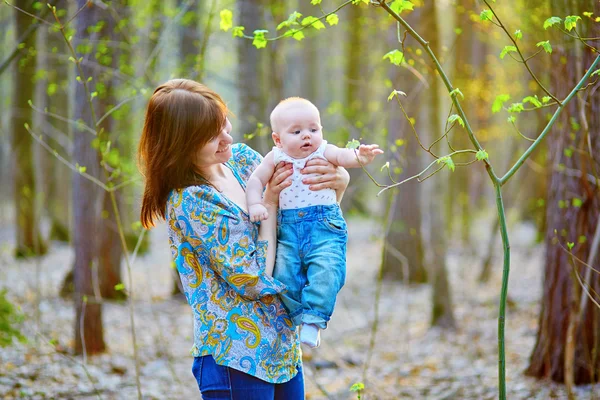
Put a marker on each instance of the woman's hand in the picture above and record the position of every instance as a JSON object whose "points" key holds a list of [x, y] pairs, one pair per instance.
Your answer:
{"points": [[328, 176], [279, 181]]}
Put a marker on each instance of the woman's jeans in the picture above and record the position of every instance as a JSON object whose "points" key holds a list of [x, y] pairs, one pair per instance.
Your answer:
{"points": [[223, 383]]}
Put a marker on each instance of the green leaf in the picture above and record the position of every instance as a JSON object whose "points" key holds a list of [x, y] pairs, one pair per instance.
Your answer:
{"points": [[588, 14], [571, 22], [396, 57], [353, 144], [384, 166], [506, 50], [398, 6], [332, 19], [458, 31], [486, 15], [237, 31], [570, 245], [357, 387], [314, 22], [518, 34], [455, 117], [298, 35], [259, 38], [533, 100], [457, 92], [481, 155], [315, 2], [51, 89], [551, 21], [516, 108], [94, 94], [226, 19], [395, 93], [577, 202], [499, 102], [119, 287], [596, 72], [546, 45], [81, 169], [568, 152], [546, 99], [582, 239], [448, 161], [291, 21]]}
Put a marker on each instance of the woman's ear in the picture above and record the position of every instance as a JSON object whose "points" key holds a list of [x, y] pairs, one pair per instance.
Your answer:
{"points": [[276, 139]]}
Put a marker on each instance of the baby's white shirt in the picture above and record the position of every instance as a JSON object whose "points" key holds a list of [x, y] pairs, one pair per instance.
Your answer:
{"points": [[298, 195]]}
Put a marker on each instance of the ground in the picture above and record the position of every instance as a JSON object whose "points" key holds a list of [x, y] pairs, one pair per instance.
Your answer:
{"points": [[409, 359]]}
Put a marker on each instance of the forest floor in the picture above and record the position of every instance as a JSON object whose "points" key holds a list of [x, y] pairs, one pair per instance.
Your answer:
{"points": [[409, 359]]}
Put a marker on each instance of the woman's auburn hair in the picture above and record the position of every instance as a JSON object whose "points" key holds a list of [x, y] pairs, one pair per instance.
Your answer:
{"points": [[182, 116]]}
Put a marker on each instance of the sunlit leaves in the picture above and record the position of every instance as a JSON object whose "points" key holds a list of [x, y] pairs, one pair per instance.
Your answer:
{"points": [[588, 14], [238, 31], [314, 22], [596, 72], [456, 118], [568, 152], [291, 21], [486, 15], [353, 144], [516, 108], [332, 19], [357, 387], [506, 50], [398, 6], [448, 161], [552, 21], [570, 245], [546, 99], [481, 155], [457, 92], [518, 34], [499, 102], [396, 57], [571, 22], [226, 20], [359, 1], [545, 45], [259, 40], [315, 2], [533, 100], [396, 93]]}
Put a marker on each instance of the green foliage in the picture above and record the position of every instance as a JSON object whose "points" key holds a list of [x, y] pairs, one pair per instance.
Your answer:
{"points": [[447, 160], [396, 57], [396, 93], [457, 92], [481, 155], [506, 50], [314, 22], [486, 15], [358, 387], [315, 2], [259, 38], [518, 34], [332, 19], [571, 22], [401, 5], [552, 21], [455, 117], [291, 21], [516, 108], [570, 245], [577, 202], [499, 102], [9, 317], [533, 100], [226, 20], [546, 45], [238, 31], [353, 144], [596, 72]]}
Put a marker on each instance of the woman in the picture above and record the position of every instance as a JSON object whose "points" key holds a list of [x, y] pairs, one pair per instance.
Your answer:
{"points": [[245, 346]]}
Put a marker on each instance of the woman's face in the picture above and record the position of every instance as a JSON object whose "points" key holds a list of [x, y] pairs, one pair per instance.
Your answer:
{"points": [[217, 150]]}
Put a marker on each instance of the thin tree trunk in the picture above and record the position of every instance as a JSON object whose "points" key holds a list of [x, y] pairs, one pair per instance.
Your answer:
{"points": [[568, 221], [29, 241], [89, 335]]}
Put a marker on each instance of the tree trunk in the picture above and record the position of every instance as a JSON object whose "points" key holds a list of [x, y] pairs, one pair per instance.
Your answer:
{"points": [[572, 214], [29, 241], [89, 336], [59, 138], [189, 43], [403, 241], [442, 314], [251, 94]]}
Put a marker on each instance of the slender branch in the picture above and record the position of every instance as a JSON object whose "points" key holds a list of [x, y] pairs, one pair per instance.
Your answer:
{"points": [[412, 126], [115, 108], [519, 132], [535, 78], [533, 146], [78, 124]]}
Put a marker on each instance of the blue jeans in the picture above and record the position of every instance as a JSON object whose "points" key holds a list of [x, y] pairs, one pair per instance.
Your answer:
{"points": [[223, 383], [311, 261]]}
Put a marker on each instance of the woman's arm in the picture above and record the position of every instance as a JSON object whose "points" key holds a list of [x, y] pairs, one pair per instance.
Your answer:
{"points": [[328, 177], [268, 227]]}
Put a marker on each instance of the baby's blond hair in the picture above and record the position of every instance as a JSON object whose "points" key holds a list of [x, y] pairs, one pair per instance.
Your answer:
{"points": [[284, 105]]}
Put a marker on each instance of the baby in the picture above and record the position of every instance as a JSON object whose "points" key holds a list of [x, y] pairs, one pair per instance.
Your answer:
{"points": [[312, 236]]}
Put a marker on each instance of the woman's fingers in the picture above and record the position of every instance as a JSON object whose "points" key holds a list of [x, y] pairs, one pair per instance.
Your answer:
{"points": [[282, 172]]}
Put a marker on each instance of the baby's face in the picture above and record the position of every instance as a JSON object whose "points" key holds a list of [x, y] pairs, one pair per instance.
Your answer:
{"points": [[299, 127]]}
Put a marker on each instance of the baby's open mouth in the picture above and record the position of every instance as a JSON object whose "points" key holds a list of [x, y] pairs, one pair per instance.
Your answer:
{"points": [[306, 145]]}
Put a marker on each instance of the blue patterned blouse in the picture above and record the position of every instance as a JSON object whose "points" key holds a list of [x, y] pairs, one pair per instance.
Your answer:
{"points": [[238, 317]]}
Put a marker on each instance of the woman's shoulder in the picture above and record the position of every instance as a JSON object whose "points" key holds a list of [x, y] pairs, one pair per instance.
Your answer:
{"points": [[245, 158]]}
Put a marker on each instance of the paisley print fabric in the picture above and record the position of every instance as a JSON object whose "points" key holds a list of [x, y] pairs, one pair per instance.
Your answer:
{"points": [[238, 318]]}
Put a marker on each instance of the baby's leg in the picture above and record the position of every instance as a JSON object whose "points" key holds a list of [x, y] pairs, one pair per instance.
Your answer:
{"points": [[288, 270], [326, 269]]}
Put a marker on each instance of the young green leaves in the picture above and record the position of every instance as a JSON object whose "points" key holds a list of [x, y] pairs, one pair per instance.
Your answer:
{"points": [[396, 57], [506, 50], [545, 45], [499, 102], [455, 117], [447, 160]]}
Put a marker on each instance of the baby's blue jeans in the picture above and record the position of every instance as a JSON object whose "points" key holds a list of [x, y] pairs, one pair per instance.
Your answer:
{"points": [[311, 261]]}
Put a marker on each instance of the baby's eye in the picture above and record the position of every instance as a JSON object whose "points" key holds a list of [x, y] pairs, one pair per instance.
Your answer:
{"points": [[297, 132], [313, 130]]}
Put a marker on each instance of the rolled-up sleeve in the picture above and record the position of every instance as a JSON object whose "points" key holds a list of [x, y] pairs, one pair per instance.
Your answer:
{"points": [[224, 242]]}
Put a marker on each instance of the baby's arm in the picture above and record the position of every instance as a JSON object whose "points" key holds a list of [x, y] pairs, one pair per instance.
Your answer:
{"points": [[254, 188], [347, 158]]}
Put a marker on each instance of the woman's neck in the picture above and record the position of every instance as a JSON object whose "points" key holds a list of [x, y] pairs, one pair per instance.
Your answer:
{"points": [[213, 172]]}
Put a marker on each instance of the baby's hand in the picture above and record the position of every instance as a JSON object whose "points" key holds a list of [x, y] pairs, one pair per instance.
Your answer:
{"points": [[367, 153], [258, 212]]}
